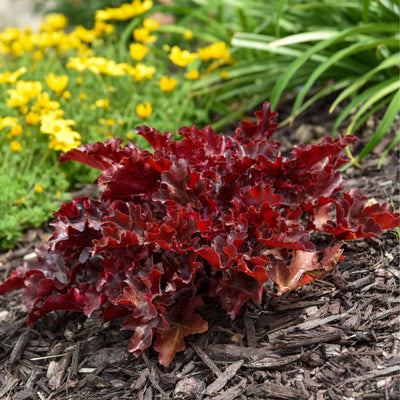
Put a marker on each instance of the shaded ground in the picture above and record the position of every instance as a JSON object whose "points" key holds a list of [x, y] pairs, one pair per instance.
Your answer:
{"points": [[337, 338]]}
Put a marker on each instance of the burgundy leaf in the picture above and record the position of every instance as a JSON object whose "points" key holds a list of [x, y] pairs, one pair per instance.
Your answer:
{"points": [[207, 215]]}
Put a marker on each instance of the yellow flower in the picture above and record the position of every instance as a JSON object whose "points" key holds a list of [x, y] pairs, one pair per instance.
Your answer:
{"points": [[167, 84], [66, 94], [143, 35], [144, 110], [83, 96], [151, 24], [130, 135], [15, 146], [188, 34], [38, 189], [140, 72], [23, 110], [125, 11], [20, 200], [43, 105], [182, 58], [16, 99], [215, 50], [16, 130], [24, 92], [102, 103], [78, 80], [8, 121], [111, 122], [224, 75], [193, 74], [52, 124], [62, 137], [138, 51], [100, 28], [56, 83], [97, 65], [37, 55], [32, 118], [12, 77], [54, 22], [111, 89]]}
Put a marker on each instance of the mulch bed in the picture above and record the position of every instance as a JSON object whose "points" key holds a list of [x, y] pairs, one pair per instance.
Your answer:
{"points": [[337, 338]]}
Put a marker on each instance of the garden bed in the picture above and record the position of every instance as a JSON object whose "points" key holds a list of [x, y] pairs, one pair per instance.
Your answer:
{"points": [[337, 338]]}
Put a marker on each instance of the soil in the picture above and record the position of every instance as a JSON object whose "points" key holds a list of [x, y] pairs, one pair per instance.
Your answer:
{"points": [[337, 338]]}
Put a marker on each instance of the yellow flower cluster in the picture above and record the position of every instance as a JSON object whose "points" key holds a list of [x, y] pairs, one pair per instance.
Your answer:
{"points": [[12, 77], [17, 41], [97, 65], [182, 58], [57, 83], [125, 11], [138, 51], [218, 50], [24, 92], [7, 121], [140, 71], [62, 137], [29, 98], [79, 45], [101, 65]]}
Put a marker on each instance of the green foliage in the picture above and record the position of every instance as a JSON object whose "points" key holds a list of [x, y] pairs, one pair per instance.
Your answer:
{"points": [[79, 12], [28, 202], [40, 117], [315, 48]]}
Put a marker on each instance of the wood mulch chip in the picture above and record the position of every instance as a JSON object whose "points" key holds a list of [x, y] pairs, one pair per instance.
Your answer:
{"points": [[337, 338]]}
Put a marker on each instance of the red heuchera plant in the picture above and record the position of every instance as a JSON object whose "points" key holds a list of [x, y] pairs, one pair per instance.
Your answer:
{"points": [[208, 215]]}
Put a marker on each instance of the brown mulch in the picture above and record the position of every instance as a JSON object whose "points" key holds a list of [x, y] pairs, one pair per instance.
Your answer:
{"points": [[337, 338]]}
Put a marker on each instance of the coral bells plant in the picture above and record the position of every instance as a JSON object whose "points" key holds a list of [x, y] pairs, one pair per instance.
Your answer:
{"points": [[209, 215]]}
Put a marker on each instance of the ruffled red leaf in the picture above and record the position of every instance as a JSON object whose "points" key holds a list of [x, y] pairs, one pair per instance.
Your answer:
{"points": [[185, 322], [210, 214]]}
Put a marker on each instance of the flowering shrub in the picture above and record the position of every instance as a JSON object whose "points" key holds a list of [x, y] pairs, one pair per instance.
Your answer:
{"points": [[208, 215]]}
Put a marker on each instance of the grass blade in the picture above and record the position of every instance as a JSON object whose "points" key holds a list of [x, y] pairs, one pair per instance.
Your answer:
{"points": [[283, 81], [386, 90], [390, 115], [321, 93], [366, 4], [358, 100], [392, 61], [355, 48], [396, 140]]}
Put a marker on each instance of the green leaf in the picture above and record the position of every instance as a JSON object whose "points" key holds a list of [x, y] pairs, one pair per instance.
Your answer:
{"points": [[366, 4], [373, 99], [321, 93], [279, 12], [390, 115], [392, 61], [392, 6], [355, 48], [396, 140], [283, 81], [360, 99]]}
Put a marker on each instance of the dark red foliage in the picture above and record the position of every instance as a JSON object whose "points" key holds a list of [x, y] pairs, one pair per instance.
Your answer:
{"points": [[208, 215]]}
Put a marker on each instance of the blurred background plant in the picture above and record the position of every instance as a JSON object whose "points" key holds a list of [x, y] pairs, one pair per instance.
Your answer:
{"points": [[98, 68], [316, 49], [67, 84]]}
